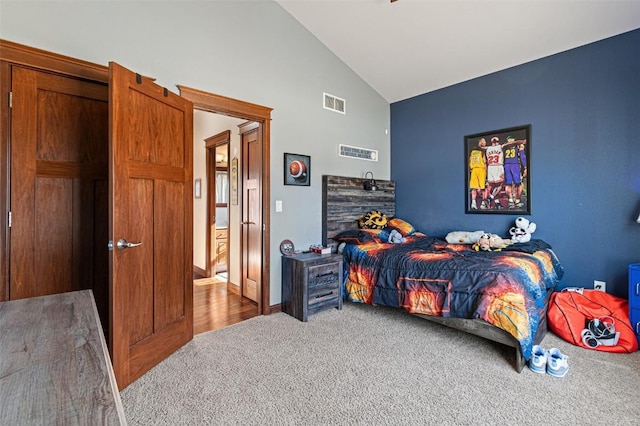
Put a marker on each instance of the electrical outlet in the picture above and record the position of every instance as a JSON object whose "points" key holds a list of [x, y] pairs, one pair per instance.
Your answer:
{"points": [[600, 285]]}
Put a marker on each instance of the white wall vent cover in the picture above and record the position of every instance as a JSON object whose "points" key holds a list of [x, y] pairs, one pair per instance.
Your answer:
{"points": [[356, 152], [334, 103]]}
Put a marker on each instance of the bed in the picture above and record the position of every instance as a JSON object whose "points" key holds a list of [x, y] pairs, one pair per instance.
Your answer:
{"points": [[499, 295]]}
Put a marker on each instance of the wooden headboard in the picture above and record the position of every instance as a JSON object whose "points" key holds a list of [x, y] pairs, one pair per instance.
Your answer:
{"points": [[344, 200]]}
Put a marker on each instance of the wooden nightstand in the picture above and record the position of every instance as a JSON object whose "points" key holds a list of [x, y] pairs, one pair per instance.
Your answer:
{"points": [[311, 283]]}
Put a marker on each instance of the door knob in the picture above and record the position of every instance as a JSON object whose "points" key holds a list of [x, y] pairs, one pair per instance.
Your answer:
{"points": [[124, 244]]}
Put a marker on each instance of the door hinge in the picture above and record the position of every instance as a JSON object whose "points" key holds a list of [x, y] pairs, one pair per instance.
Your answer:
{"points": [[10, 99], [9, 220]]}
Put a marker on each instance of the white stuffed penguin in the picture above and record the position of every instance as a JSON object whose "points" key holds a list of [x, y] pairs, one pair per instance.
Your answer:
{"points": [[521, 232]]}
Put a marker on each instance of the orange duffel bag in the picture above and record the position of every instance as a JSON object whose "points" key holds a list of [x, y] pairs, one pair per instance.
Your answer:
{"points": [[574, 310]]}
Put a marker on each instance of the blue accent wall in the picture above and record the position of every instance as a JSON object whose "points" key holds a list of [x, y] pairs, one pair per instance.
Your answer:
{"points": [[584, 109]]}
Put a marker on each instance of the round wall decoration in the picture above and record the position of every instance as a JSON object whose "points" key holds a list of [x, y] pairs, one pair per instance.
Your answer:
{"points": [[286, 247]]}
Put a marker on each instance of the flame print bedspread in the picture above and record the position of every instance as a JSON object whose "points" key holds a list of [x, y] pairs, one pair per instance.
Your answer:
{"points": [[428, 276]]}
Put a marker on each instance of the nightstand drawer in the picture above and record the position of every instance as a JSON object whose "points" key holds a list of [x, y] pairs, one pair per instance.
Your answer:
{"points": [[323, 306], [323, 274], [320, 293]]}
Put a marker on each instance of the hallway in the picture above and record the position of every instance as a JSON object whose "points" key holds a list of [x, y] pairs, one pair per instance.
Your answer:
{"points": [[216, 307]]}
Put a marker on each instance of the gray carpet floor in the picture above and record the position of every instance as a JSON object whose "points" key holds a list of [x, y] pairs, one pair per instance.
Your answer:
{"points": [[375, 366]]}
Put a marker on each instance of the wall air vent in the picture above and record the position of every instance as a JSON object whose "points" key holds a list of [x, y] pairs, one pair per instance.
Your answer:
{"points": [[356, 152], [334, 103]]}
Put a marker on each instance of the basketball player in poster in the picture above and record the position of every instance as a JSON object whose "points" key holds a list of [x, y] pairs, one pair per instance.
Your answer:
{"points": [[515, 168], [495, 172], [478, 174]]}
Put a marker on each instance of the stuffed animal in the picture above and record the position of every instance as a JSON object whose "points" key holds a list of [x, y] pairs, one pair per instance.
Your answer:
{"points": [[490, 242], [521, 232], [396, 238], [463, 237]]}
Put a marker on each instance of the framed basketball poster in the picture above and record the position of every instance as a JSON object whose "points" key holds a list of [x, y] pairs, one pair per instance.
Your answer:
{"points": [[498, 171]]}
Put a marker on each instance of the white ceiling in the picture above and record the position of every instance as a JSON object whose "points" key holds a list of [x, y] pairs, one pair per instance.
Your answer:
{"points": [[410, 47]]}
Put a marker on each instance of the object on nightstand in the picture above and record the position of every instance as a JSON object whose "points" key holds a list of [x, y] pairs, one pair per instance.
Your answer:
{"points": [[320, 249], [287, 248]]}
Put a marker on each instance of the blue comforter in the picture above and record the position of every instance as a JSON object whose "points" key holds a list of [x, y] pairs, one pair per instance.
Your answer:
{"points": [[426, 275]]}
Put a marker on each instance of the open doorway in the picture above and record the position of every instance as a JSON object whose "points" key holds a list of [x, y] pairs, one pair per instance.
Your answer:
{"points": [[231, 116], [218, 205], [219, 202]]}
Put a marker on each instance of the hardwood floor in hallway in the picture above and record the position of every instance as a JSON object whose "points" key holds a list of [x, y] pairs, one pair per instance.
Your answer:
{"points": [[216, 307]]}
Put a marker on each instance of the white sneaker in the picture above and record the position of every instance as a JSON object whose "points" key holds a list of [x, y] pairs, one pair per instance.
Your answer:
{"points": [[557, 363], [538, 361]]}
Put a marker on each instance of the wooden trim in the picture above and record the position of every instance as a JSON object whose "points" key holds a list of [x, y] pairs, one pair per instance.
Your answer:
{"points": [[37, 58], [5, 161], [261, 114], [248, 126], [266, 211], [219, 139], [276, 308], [223, 105], [199, 271]]}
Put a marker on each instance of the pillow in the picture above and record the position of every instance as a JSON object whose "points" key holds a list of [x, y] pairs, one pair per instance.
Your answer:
{"points": [[358, 236], [373, 220], [463, 237], [402, 226]]}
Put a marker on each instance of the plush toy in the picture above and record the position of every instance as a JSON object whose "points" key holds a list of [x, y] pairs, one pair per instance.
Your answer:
{"points": [[463, 237], [521, 232], [395, 237], [490, 242]]}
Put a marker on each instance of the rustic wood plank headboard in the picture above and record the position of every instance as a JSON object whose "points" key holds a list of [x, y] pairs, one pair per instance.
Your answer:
{"points": [[344, 200]]}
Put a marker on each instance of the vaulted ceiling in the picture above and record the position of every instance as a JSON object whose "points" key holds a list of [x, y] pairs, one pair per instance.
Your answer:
{"points": [[409, 47]]}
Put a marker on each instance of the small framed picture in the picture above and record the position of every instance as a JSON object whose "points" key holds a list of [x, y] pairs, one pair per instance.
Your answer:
{"points": [[297, 169], [498, 171], [197, 188], [234, 181]]}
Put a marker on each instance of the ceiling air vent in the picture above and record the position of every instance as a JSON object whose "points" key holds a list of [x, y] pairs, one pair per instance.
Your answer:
{"points": [[334, 103], [356, 152]]}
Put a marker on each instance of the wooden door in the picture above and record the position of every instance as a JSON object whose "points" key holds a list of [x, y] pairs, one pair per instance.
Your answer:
{"points": [[251, 141], [211, 249], [58, 192], [151, 149]]}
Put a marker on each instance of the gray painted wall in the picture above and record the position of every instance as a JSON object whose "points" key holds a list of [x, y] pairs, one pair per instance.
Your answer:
{"points": [[248, 50]]}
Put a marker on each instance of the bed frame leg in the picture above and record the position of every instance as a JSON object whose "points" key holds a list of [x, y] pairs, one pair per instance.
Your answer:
{"points": [[520, 361]]}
